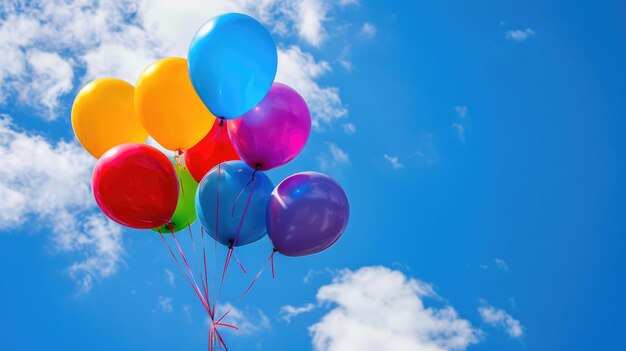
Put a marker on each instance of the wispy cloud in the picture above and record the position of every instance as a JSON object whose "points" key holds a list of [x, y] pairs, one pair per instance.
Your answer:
{"points": [[288, 312], [367, 318], [426, 152], [460, 131], [462, 123], [368, 29], [349, 128], [519, 34], [300, 70], [169, 276], [333, 158], [49, 184], [461, 111], [393, 161], [501, 319], [501, 264], [164, 305]]}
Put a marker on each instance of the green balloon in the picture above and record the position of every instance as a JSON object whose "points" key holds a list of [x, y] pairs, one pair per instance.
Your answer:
{"points": [[185, 213]]}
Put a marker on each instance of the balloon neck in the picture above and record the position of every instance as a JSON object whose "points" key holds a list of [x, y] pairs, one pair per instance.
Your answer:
{"points": [[221, 121], [179, 152], [170, 225], [274, 250], [231, 244]]}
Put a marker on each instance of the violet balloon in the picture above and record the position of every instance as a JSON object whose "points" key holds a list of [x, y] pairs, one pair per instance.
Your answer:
{"points": [[274, 131], [306, 214]]}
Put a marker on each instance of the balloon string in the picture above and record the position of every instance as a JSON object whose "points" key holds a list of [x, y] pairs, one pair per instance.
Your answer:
{"points": [[195, 259], [238, 261], [254, 280], [252, 179], [217, 220], [194, 287], [182, 255], [234, 243], [206, 276]]}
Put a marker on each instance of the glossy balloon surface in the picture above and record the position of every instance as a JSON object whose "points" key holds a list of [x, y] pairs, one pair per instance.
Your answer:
{"points": [[215, 148], [274, 131], [168, 106], [232, 64], [135, 185], [307, 213], [103, 116], [235, 187]]}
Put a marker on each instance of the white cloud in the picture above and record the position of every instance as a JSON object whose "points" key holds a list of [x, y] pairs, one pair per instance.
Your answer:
{"points": [[288, 311], [45, 42], [501, 264], [500, 318], [164, 305], [349, 128], [461, 111], [187, 313], [394, 161], [519, 34], [460, 131], [311, 16], [333, 158], [299, 70], [368, 29], [169, 276], [51, 183], [426, 152], [54, 77], [247, 322], [382, 309]]}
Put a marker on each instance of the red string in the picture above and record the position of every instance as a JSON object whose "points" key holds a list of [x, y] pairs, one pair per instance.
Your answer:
{"points": [[240, 265], [232, 214], [217, 218], [206, 277], [193, 286], [269, 259], [230, 250], [182, 255], [245, 210]]}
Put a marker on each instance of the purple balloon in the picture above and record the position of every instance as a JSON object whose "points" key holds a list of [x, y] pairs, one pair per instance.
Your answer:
{"points": [[274, 131], [307, 213]]}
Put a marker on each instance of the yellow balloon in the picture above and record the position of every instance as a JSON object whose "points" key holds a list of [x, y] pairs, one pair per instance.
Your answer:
{"points": [[168, 106], [103, 116]]}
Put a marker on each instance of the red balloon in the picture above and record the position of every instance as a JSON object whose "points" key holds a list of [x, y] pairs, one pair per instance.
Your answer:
{"points": [[136, 186], [210, 151]]}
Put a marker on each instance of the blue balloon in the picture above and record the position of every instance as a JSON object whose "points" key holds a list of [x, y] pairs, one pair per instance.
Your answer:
{"points": [[232, 64], [235, 186]]}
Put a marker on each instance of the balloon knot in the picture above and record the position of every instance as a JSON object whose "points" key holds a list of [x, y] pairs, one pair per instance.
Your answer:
{"points": [[221, 121], [170, 225]]}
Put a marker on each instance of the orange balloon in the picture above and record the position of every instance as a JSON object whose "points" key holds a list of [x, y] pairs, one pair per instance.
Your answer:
{"points": [[168, 106], [103, 116]]}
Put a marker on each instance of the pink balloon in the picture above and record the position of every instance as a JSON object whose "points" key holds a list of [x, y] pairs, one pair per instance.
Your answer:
{"points": [[274, 131]]}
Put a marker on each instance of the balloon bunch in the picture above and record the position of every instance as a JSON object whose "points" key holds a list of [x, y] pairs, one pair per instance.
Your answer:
{"points": [[227, 122]]}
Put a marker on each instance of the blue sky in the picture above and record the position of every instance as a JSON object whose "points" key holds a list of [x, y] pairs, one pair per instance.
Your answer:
{"points": [[481, 146]]}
